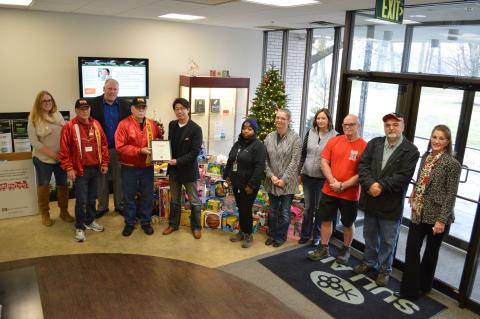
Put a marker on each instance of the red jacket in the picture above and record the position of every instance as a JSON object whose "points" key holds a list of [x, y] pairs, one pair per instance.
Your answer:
{"points": [[129, 140], [70, 152]]}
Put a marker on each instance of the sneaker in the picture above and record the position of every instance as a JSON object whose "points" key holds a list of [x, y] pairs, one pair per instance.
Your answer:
{"points": [[343, 255], [269, 241], [127, 230], [247, 240], [237, 236], [147, 229], [382, 279], [95, 227], [319, 253], [80, 235], [362, 268]]}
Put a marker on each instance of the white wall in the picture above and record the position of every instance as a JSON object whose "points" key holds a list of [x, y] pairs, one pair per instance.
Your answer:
{"points": [[39, 50]]}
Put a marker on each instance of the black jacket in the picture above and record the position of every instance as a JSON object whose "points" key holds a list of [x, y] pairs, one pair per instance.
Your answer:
{"points": [[188, 147], [250, 163], [394, 178], [97, 110]]}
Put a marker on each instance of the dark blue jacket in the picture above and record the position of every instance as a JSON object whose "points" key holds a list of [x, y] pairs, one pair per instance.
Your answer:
{"points": [[394, 178]]}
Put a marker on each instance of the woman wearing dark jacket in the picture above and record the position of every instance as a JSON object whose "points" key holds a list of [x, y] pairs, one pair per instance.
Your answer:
{"points": [[244, 171], [432, 202]]}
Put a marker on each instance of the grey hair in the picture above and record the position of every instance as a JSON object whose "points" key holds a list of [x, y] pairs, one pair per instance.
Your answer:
{"points": [[286, 111], [108, 81]]}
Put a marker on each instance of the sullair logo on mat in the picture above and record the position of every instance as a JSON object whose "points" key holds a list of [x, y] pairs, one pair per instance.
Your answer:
{"points": [[337, 287]]}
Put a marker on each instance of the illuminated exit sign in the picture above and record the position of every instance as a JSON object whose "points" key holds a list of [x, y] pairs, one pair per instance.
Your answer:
{"points": [[390, 10]]}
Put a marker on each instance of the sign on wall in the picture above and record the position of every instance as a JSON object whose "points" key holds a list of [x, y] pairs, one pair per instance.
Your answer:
{"points": [[390, 10], [17, 189]]}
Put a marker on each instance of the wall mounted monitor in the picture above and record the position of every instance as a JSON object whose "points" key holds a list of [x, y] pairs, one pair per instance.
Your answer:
{"points": [[131, 74]]}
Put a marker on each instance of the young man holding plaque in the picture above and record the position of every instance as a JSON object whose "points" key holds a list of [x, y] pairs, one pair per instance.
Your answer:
{"points": [[186, 140], [133, 140]]}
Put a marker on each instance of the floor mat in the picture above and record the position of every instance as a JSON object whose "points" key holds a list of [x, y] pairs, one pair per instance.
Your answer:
{"points": [[342, 293]]}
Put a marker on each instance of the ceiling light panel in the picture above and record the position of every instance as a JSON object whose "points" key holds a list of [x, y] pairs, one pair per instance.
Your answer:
{"points": [[284, 3]]}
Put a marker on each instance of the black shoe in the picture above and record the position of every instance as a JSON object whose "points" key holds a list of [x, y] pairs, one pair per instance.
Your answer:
{"points": [[269, 241], [277, 243], [147, 229], [127, 230], [100, 213], [399, 295], [302, 241]]}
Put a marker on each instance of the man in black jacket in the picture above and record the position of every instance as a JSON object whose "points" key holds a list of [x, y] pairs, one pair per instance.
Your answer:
{"points": [[109, 110], [186, 141], [385, 170]]}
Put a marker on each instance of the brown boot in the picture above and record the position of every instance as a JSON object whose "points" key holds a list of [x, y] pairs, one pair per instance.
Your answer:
{"points": [[43, 198], [62, 200]]}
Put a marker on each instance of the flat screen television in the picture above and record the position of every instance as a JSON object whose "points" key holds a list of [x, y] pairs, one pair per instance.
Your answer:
{"points": [[131, 74]]}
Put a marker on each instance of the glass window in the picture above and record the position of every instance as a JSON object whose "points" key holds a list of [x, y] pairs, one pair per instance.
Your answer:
{"points": [[377, 45], [320, 73], [371, 101], [297, 40], [450, 50], [274, 49]]}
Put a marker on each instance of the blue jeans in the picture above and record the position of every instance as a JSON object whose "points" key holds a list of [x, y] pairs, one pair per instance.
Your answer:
{"points": [[86, 195], [279, 218], [44, 173], [176, 203], [312, 192], [137, 179], [381, 237]]}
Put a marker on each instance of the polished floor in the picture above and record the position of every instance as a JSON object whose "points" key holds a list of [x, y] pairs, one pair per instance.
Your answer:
{"points": [[25, 238]]}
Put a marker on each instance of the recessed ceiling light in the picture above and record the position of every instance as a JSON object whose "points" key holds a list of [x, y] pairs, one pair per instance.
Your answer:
{"points": [[284, 3], [379, 21], [16, 2], [178, 16]]}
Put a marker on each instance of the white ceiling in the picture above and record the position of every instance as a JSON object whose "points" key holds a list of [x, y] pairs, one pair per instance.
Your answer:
{"points": [[226, 13]]}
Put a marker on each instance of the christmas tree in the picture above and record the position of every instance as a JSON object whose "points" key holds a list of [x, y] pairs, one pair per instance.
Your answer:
{"points": [[269, 97]]}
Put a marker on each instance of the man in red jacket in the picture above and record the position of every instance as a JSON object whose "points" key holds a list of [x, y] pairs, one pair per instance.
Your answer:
{"points": [[84, 155], [133, 140]]}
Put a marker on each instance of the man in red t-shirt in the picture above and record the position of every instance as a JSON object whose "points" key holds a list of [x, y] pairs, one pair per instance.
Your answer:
{"points": [[340, 159]]}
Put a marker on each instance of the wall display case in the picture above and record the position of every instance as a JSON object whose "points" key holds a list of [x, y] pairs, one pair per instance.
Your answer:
{"points": [[219, 106]]}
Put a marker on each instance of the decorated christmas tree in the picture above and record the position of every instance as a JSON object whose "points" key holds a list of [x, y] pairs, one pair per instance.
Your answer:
{"points": [[269, 97]]}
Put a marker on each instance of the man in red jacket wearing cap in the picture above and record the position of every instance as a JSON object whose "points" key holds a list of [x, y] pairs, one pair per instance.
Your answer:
{"points": [[84, 155]]}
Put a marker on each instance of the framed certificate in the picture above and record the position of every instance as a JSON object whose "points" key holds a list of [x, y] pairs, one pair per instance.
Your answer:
{"points": [[161, 150]]}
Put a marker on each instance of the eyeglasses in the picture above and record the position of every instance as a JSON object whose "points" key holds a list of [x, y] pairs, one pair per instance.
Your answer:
{"points": [[349, 124], [46, 101]]}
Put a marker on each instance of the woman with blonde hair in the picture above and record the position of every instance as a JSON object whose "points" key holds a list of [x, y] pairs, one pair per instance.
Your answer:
{"points": [[45, 124]]}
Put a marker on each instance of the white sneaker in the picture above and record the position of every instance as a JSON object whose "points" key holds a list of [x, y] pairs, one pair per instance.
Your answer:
{"points": [[95, 227], [80, 235]]}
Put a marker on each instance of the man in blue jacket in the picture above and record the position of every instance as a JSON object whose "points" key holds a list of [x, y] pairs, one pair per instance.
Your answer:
{"points": [[186, 141], [386, 168]]}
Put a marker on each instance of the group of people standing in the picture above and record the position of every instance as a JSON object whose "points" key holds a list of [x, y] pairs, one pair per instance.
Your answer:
{"points": [[108, 136]]}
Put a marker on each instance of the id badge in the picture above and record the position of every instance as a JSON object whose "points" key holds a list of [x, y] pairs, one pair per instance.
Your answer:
{"points": [[88, 148], [234, 166], [353, 155]]}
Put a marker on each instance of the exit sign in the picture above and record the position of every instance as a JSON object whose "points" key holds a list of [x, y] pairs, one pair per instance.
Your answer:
{"points": [[390, 10]]}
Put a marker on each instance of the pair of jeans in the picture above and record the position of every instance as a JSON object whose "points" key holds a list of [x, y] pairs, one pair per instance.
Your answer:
{"points": [[418, 275], [312, 192], [176, 203], [381, 237], [279, 218], [44, 173], [244, 203], [137, 180], [115, 172], [86, 196]]}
